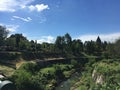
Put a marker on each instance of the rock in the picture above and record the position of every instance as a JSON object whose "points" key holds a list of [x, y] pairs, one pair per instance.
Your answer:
{"points": [[97, 77]]}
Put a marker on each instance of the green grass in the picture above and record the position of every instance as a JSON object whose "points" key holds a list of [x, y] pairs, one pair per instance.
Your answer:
{"points": [[7, 71], [67, 74], [65, 67], [48, 69]]}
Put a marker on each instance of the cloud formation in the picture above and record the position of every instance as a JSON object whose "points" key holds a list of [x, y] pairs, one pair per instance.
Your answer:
{"points": [[38, 7], [28, 19], [14, 5], [10, 28], [48, 39], [104, 37]]}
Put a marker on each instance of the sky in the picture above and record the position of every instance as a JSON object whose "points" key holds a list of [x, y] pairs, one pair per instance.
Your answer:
{"points": [[44, 20]]}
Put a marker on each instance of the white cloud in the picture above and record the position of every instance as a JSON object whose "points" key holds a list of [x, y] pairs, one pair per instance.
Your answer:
{"points": [[14, 5], [31, 7], [48, 39], [28, 19], [104, 37], [7, 5], [10, 28], [38, 7]]}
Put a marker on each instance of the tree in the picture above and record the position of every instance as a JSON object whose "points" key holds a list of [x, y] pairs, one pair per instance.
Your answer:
{"points": [[99, 44], [89, 47], [59, 43], [3, 35], [68, 43], [67, 39], [19, 39], [117, 48], [113, 49], [11, 43], [104, 46], [32, 43], [26, 79], [24, 45], [98, 41], [77, 46], [38, 47]]}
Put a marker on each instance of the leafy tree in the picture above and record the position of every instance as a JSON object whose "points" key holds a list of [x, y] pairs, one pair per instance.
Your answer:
{"points": [[32, 44], [24, 45], [45, 46], [48, 47], [67, 39], [117, 48], [113, 49], [59, 43], [67, 44], [38, 47], [3, 35], [59, 73], [22, 80], [63, 44], [77, 46], [104, 46], [19, 39], [89, 47], [11, 43], [25, 78]]}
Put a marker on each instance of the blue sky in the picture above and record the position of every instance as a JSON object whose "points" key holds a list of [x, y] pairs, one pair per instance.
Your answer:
{"points": [[43, 20]]}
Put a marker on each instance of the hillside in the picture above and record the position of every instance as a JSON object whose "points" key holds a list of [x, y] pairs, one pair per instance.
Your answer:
{"points": [[103, 75], [34, 66]]}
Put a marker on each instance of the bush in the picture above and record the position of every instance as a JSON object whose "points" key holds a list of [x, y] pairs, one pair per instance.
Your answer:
{"points": [[24, 79], [74, 63], [30, 67]]}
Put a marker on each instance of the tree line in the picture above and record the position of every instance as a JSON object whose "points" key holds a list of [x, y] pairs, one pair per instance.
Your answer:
{"points": [[63, 45]]}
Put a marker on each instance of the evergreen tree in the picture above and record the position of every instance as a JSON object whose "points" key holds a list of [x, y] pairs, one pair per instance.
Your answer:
{"points": [[98, 46]]}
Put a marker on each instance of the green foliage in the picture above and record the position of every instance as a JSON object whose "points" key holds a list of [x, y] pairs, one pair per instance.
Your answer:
{"points": [[11, 43], [59, 73], [113, 49], [68, 39], [90, 47], [74, 63], [25, 78], [110, 70], [64, 46], [3, 34], [20, 41], [77, 47], [68, 73], [31, 77], [9, 56], [25, 81], [30, 67], [22, 80]]}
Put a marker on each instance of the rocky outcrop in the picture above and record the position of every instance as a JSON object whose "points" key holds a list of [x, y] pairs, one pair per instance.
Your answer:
{"points": [[97, 77]]}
